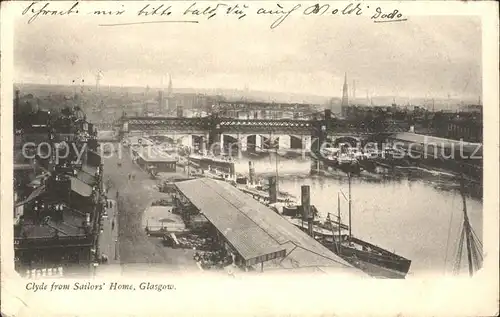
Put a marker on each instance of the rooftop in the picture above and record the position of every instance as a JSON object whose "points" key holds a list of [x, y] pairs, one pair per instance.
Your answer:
{"points": [[152, 154], [70, 227], [254, 230], [86, 178], [427, 139]]}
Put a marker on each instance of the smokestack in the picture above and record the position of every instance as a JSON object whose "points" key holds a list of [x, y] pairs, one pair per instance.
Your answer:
{"points": [[161, 101], [328, 114], [17, 102], [273, 195], [251, 172], [306, 207]]}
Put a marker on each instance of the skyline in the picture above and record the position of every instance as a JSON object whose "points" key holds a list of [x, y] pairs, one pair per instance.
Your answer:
{"points": [[427, 57]]}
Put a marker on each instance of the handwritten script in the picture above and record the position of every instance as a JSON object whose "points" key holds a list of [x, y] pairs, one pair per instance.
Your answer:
{"points": [[185, 12]]}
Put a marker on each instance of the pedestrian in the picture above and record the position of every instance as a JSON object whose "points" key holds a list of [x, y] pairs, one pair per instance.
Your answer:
{"points": [[129, 176], [117, 194], [113, 224]]}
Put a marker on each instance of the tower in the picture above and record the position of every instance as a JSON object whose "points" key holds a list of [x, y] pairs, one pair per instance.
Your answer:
{"points": [[345, 97], [169, 89], [161, 101], [169, 103], [98, 78], [353, 91]]}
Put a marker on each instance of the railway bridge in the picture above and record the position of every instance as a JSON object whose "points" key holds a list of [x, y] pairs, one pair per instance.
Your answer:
{"points": [[252, 134]]}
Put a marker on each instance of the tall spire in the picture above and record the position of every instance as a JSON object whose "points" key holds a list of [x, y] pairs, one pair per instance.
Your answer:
{"points": [[345, 92], [169, 91]]}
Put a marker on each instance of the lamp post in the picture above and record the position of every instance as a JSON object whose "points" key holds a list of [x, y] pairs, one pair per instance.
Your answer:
{"points": [[95, 265], [116, 249]]}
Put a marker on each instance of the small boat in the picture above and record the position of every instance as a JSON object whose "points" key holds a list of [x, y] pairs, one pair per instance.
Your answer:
{"points": [[370, 258]]}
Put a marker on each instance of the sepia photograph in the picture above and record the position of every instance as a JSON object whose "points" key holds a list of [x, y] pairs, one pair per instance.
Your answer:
{"points": [[242, 140]]}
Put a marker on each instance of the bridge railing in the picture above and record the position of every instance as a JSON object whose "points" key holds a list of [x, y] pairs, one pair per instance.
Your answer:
{"points": [[256, 125]]}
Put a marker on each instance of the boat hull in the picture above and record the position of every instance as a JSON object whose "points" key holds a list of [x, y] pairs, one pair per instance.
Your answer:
{"points": [[372, 259], [206, 162], [347, 167]]}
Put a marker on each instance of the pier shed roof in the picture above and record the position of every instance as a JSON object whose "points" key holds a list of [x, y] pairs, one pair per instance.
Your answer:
{"points": [[468, 147], [155, 155], [254, 229]]}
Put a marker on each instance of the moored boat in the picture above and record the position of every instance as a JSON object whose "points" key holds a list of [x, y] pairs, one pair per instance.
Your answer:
{"points": [[337, 237]]}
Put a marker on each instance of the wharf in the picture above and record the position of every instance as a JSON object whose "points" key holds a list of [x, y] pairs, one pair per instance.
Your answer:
{"points": [[257, 233]]}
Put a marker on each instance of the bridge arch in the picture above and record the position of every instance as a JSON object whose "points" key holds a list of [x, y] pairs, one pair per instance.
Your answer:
{"points": [[231, 144], [296, 142]]}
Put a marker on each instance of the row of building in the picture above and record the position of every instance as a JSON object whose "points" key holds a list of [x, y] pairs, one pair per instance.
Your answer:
{"points": [[59, 197], [466, 124]]}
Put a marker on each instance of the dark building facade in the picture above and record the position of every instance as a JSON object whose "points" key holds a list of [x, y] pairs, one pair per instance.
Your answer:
{"points": [[58, 195]]}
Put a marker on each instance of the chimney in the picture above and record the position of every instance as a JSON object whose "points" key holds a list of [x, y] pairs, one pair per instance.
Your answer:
{"points": [[17, 101], [161, 101], [251, 172], [180, 112], [328, 114], [306, 207], [273, 196]]}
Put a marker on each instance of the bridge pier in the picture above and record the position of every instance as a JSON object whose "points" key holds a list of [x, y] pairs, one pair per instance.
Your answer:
{"points": [[284, 142], [240, 144], [306, 145], [204, 144], [318, 138], [221, 143], [258, 142]]}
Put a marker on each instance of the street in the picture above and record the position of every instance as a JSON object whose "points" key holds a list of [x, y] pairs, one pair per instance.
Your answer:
{"points": [[134, 196]]}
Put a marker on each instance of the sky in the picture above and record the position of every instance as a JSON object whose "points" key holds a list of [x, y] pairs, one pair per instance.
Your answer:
{"points": [[422, 57]]}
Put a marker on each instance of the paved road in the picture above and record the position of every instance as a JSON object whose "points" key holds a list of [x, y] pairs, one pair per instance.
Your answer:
{"points": [[134, 196]]}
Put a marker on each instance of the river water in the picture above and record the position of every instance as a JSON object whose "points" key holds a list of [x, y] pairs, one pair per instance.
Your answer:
{"points": [[418, 217]]}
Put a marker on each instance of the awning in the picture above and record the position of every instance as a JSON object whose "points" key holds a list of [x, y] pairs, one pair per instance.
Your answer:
{"points": [[91, 170], [80, 187], [86, 178]]}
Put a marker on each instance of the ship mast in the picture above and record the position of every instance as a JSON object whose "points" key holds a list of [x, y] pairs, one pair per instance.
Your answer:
{"points": [[472, 243], [349, 178], [340, 222], [467, 228], [277, 174]]}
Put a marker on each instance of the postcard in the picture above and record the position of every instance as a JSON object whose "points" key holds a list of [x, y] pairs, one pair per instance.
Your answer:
{"points": [[249, 158]]}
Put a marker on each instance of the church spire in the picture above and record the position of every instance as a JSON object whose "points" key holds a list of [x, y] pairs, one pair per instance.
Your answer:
{"points": [[169, 92], [345, 92]]}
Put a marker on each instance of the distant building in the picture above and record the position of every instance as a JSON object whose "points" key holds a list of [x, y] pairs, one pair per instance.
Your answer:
{"points": [[467, 129], [472, 108], [180, 111], [161, 101]]}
